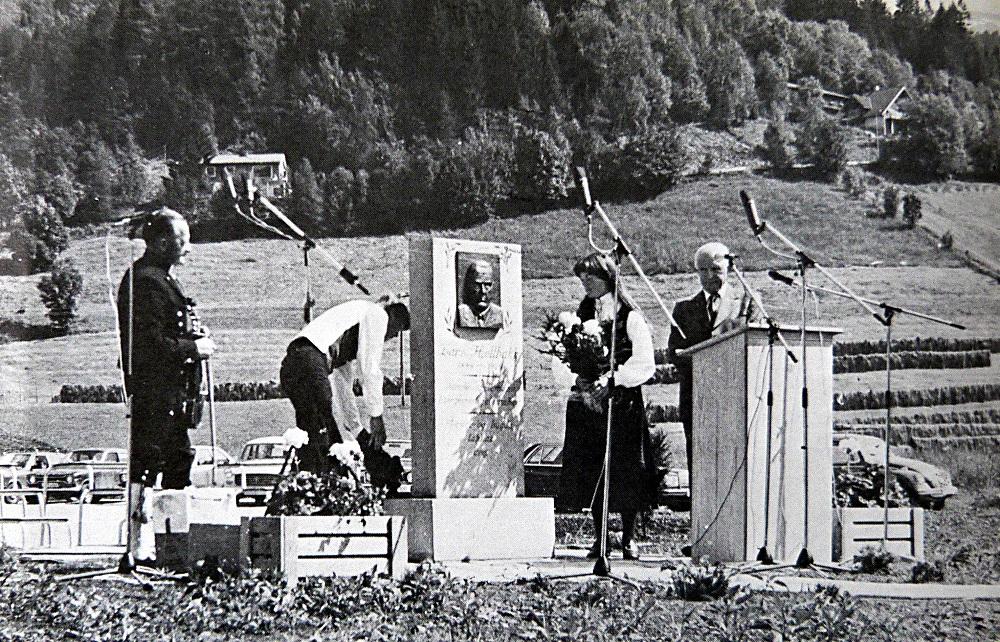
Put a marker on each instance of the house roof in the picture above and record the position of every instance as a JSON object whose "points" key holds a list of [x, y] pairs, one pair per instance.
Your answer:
{"points": [[879, 101], [247, 159]]}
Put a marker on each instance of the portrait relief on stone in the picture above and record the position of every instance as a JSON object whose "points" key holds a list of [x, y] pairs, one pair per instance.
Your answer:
{"points": [[480, 302]]}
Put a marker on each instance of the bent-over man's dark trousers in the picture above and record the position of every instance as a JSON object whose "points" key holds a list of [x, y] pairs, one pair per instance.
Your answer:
{"points": [[305, 381]]}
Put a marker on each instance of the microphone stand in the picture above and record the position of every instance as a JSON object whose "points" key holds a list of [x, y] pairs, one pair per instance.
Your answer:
{"points": [[620, 248], [889, 313], [308, 243], [602, 567], [805, 558], [773, 332]]}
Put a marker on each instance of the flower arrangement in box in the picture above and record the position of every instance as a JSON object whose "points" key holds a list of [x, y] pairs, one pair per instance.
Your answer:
{"points": [[345, 490]]}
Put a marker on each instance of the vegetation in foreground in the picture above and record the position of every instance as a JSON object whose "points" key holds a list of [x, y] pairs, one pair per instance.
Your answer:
{"points": [[429, 604]]}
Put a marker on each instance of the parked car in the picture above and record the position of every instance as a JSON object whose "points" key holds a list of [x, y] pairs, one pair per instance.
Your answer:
{"points": [[90, 474], [543, 466], [15, 466], [926, 484], [201, 469], [258, 469]]}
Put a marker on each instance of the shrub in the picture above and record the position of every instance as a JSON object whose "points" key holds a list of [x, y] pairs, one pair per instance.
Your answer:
{"points": [[475, 175], [59, 291], [657, 414], [912, 361], [700, 583], [541, 165], [890, 201], [775, 147], [952, 395], [946, 241], [38, 238], [823, 143], [911, 210], [924, 572], [852, 180], [642, 165], [874, 560]]}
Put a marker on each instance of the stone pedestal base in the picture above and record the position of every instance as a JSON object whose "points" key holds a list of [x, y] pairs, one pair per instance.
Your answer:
{"points": [[477, 528]]}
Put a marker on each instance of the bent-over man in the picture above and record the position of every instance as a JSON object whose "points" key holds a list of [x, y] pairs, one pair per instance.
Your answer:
{"points": [[343, 344]]}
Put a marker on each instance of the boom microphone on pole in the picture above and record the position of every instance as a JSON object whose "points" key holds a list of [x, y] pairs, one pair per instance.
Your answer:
{"points": [[621, 248]]}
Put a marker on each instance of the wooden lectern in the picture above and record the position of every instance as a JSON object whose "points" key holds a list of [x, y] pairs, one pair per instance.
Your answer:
{"points": [[729, 469]]}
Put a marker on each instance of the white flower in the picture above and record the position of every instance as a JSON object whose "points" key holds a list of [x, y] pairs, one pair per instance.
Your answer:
{"points": [[568, 320], [348, 453], [592, 327], [295, 437]]}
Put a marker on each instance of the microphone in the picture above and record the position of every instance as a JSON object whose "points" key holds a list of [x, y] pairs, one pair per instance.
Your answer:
{"points": [[778, 276], [756, 225], [730, 257], [581, 179]]}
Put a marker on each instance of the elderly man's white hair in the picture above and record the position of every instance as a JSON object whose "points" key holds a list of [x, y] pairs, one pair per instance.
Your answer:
{"points": [[710, 253]]}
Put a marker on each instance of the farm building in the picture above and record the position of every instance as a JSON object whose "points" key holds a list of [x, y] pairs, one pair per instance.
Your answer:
{"points": [[269, 172]]}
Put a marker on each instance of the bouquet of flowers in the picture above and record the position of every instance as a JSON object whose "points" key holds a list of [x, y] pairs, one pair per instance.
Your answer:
{"points": [[345, 490], [581, 345]]}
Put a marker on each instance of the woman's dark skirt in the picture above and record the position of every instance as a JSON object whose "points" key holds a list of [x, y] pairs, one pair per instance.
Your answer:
{"points": [[633, 468]]}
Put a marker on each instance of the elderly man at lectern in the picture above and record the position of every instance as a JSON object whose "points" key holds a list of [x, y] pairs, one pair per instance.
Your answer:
{"points": [[716, 308]]}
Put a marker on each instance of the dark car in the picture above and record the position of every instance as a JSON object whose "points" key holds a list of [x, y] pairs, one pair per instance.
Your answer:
{"points": [[90, 474], [543, 465]]}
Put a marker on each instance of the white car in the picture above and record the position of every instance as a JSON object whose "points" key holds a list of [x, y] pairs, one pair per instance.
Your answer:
{"points": [[926, 484], [201, 469], [15, 466], [258, 469]]}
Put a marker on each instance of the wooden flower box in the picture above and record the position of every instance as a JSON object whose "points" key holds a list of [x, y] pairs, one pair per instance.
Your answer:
{"points": [[861, 527], [304, 546]]}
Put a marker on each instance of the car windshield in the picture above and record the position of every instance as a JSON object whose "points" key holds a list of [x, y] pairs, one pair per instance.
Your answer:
{"points": [[264, 451], [85, 455], [14, 459]]}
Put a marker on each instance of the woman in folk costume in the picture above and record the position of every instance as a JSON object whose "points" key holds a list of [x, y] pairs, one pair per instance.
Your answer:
{"points": [[632, 466]]}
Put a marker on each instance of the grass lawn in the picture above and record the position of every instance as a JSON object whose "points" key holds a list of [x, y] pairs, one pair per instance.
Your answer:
{"points": [[971, 212]]}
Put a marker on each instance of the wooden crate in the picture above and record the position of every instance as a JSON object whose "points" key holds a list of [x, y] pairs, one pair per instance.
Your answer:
{"points": [[303, 546], [861, 527]]}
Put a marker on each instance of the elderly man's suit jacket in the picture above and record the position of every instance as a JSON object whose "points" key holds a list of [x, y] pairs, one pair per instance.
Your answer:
{"points": [[691, 315]]}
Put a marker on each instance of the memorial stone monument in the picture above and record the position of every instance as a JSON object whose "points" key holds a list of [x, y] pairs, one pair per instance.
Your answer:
{"points": [[468, 393]]}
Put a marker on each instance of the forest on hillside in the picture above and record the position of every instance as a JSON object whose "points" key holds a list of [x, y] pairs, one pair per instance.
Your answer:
{"points": [[400, 114]]}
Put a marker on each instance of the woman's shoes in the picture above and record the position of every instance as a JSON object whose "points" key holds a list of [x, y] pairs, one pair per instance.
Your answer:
{"points": [[595, 550], [629, 551]]}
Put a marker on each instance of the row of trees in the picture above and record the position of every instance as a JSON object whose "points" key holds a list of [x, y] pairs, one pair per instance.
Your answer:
{"points": [[433, 112]]}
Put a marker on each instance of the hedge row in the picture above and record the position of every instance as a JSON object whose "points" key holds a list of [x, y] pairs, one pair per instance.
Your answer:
{"points": [[927, 432], [229, 391], [933, 344], [950, 396], [988, 416], [912, 361], [657, 414]]}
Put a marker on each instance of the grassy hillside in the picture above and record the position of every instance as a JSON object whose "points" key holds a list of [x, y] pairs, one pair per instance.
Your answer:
{"points": [[971, 213], [251, 292]]}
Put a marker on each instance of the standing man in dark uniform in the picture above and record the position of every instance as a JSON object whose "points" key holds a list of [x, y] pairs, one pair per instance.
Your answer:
{"points": [[162, 351]]}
